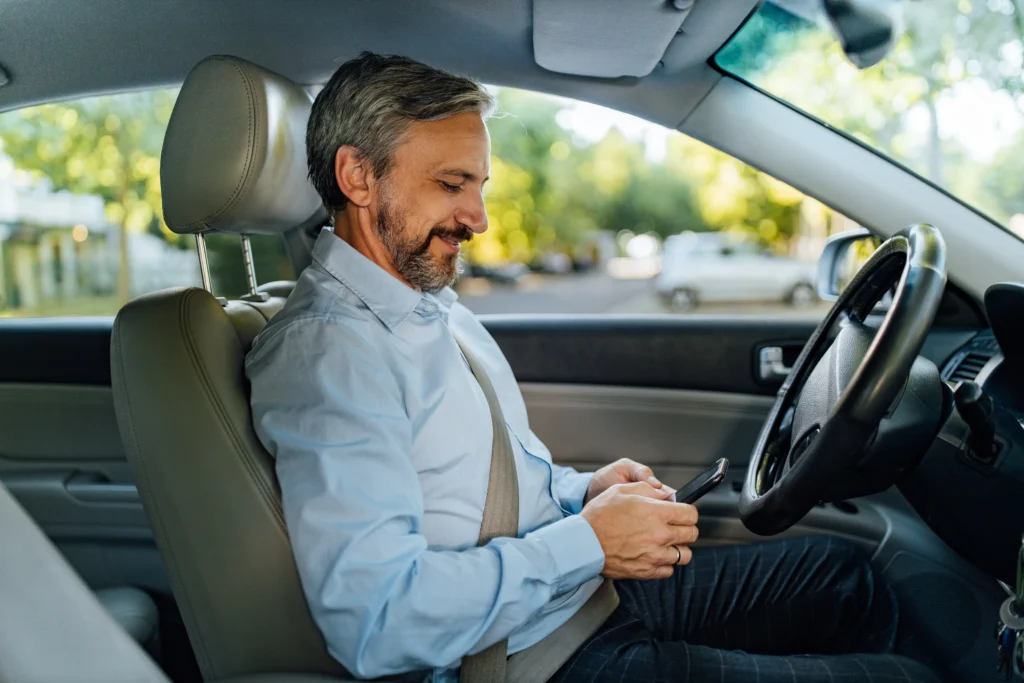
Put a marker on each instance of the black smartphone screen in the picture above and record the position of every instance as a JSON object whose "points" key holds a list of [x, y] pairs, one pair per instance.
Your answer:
{"points": [[703, 483]]}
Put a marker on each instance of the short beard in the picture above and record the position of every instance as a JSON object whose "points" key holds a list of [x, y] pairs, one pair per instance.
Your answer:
{"points": [[412, 259]]}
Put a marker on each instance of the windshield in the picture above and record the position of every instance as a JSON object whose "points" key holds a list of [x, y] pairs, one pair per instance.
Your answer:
{"points": [[947, 102]]}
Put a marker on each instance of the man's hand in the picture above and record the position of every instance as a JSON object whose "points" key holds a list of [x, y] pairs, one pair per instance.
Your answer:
{"points": [[624, 471], [639, 532]]}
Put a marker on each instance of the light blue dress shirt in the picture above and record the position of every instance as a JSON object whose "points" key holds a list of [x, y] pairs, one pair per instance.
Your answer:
{"points": [[382, 438]]}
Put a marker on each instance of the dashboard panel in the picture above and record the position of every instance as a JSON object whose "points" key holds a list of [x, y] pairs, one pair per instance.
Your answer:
{"points": [[969, 486]]}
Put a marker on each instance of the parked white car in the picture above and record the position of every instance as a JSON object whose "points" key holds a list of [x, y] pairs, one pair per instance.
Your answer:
{"points": [[702, 267]]}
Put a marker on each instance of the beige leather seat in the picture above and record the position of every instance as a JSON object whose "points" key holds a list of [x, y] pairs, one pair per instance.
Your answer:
{"points": [[53, 629], [233, 161]]}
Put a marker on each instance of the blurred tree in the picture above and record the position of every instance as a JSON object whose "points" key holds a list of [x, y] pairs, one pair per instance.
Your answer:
{"points": [[951, 50], [644, 196], [1003, 180], [549, 191], [948, 44], [528, 207], [107, 146], [110, 146], [733, 196]]}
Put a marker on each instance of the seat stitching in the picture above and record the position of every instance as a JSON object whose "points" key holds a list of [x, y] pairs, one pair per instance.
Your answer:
{"points": [[251, 124], [239, 448]]}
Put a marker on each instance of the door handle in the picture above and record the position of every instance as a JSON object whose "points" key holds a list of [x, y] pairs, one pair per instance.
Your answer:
{"points": [[90, 487], [770, 366]]}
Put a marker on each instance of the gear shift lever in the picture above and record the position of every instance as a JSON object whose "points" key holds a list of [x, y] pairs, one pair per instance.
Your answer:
{"points": [[976, 408]]}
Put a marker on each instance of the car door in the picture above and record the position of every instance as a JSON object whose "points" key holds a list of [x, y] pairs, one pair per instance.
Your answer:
{"points": [[674, 393]]}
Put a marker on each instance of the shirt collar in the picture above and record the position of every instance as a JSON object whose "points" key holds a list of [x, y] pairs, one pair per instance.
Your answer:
{"points": [[391, 300], [446, 297], [444, 300]]}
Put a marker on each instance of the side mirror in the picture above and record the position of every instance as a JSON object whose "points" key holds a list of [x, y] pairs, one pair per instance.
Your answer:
{"points": [[867, 29], [840, 260]]}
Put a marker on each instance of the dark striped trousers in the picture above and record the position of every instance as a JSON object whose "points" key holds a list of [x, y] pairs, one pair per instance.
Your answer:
{"points": [[792, 611]]}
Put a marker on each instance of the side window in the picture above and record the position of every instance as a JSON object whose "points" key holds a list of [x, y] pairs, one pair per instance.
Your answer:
{"points": [[594, 211], [81, 222]]}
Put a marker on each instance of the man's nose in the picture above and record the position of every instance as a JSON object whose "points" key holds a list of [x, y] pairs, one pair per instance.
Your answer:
{"points": [[473, 213]]}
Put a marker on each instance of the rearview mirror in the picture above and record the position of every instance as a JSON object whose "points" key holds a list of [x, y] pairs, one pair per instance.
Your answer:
{"points": [[840, 260], [866, 29]]}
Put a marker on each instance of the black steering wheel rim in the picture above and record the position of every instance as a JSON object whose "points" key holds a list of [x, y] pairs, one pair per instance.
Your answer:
{"points": [[787, 477]]}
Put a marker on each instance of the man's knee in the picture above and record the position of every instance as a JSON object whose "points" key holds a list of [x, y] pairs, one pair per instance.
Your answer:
{"points": [[849, 567], [839, 551], [870, 602], [841, 557]]}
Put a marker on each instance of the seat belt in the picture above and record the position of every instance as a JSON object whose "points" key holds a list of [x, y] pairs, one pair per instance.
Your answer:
{"points": [[541, 661]]}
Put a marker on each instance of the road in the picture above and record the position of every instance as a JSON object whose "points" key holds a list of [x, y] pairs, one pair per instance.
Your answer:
{"points": [[594, 293], [587, 293]]}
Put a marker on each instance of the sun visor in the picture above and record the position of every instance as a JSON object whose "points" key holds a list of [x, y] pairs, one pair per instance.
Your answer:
{"points": [[605, 38]]}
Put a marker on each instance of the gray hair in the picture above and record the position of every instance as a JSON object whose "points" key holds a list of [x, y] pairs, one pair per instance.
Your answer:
{"points": [[369, 104]]}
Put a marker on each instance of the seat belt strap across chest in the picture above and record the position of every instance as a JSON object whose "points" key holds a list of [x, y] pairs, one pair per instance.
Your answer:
{"points": [[501, 519]]}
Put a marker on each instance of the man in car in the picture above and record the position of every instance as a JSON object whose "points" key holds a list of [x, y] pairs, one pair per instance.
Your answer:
{"points": [[371, 391]]}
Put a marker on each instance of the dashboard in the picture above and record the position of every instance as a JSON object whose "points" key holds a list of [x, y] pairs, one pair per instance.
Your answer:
{"points": [[969, 485], [982, 360]]}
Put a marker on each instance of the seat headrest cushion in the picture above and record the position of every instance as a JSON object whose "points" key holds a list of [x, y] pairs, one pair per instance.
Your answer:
{"points": [[234, 156]]}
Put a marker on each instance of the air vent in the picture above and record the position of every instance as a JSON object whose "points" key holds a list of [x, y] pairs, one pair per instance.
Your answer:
{"points": [[968, 368], [967, 363]]}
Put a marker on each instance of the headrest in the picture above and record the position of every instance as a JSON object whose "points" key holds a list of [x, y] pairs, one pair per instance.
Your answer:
{"points": [[234, 157]]}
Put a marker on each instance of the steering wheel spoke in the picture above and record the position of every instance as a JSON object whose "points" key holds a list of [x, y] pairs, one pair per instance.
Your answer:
{"points": [[775, 463]]}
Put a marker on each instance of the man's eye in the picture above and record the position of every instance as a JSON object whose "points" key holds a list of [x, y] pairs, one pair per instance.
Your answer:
{"points": [[448, 187]]}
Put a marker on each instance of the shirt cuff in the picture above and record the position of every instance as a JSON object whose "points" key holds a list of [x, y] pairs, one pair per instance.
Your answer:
{"points": [[574, 547], [572, 488]]}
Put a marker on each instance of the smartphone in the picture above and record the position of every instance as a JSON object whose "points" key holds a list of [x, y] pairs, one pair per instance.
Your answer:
{"points": [[703, 483]]}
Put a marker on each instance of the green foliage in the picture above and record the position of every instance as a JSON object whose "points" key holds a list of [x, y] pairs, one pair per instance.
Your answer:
{"points": [[550, 191], [1004, 182], [951, 50], [107, 146]]}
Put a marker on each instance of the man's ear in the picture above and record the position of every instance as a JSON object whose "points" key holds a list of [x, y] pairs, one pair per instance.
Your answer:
{"points": [[352, 173]]}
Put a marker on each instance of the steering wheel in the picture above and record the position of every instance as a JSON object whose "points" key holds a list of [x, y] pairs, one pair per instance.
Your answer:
{"points": [[859, 406]]}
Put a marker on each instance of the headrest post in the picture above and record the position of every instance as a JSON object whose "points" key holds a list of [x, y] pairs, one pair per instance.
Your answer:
{"points": [[250, 266], [204, 262]]}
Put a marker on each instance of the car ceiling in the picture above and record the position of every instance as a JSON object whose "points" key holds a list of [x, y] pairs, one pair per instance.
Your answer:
{"points": [[54, 49]]}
